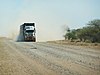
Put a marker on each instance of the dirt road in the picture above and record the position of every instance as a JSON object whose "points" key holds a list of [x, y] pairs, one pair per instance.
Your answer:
{"points": [[29, 58]]}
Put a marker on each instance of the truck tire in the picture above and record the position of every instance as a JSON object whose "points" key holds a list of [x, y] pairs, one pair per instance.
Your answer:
{"points": [[34, 40]]}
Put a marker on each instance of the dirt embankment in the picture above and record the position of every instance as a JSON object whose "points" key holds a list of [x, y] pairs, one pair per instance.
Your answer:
{"points": [[28, 58]]}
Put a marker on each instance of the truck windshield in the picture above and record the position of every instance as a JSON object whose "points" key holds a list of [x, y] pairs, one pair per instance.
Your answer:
{"points": [[30, 31]]}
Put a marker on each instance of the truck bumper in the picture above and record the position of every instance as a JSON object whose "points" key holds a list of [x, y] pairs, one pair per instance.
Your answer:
{"points": [[30, 39]]}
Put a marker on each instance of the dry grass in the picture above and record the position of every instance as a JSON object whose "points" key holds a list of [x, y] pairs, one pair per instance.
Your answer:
{"points": [[84, 44]]}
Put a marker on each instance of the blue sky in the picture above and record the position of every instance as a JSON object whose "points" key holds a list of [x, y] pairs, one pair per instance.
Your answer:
{"points": [[50, 16]]}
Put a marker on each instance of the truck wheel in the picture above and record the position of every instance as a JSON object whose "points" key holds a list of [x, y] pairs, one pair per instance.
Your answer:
{"points": [[34, 40]]}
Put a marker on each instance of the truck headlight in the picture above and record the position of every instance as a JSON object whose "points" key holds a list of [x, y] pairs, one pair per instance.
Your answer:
{"points": [[26, 34]]}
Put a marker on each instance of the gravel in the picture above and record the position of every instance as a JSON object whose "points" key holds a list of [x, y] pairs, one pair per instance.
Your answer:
{"points": [[28, 58]]}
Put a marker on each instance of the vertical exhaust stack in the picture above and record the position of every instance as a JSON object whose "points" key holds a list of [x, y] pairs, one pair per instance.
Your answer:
{"points": [[27, 32]]}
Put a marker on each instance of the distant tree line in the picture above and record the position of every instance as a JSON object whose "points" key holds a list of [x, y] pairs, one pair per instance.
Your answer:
{"points": [[90, 33]]}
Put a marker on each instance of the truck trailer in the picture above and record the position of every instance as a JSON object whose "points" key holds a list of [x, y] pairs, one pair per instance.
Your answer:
{"points": [[27, 32]]}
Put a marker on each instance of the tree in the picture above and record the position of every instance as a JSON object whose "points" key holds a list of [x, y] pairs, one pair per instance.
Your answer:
{"points": [[91, 32], [95, 23], [94, 28], [71, 35], [67, 33]]}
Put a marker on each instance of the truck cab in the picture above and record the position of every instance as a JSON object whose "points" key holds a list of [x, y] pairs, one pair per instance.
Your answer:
{"points": [[29, 33]]}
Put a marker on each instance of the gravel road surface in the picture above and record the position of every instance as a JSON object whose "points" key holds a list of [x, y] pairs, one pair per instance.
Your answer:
{"points": [[28, 58]]}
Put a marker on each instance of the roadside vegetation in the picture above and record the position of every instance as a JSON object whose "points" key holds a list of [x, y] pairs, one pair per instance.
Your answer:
{"points": [[88, 36], [90, 33]]}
